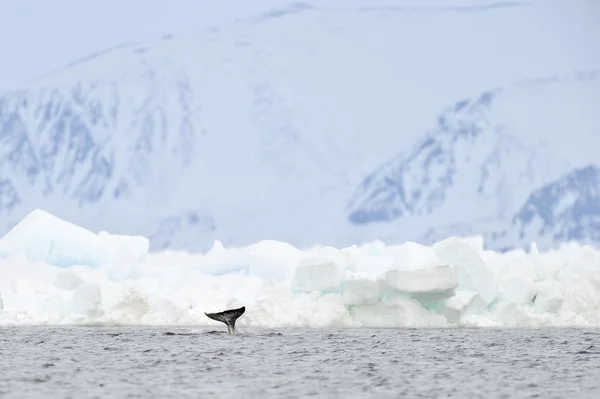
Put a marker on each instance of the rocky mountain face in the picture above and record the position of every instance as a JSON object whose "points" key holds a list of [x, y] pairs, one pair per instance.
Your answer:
{"points": [[110, 138], [567, 209], [515, 165]]}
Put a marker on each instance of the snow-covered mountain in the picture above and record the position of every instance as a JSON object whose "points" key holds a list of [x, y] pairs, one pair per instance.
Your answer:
{"points": [[182, 139], [112, 137], [567, 209], [517, 165], [263, 128]]}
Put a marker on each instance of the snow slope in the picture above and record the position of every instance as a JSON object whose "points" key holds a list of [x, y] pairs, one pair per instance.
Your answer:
{"points": [[262, 128], [503, 164]]}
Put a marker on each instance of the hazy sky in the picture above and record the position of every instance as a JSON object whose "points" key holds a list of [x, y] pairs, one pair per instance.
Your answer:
{"points": [[37, 36]]}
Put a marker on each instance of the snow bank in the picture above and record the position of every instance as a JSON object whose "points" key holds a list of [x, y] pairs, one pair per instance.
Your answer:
{"points": [[54, 272]]}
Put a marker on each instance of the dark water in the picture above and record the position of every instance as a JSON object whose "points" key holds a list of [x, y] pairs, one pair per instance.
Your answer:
{"points": [[37, 362]]}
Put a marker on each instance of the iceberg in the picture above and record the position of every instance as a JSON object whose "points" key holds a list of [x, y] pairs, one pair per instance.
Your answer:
{"points": [[42, 237]]}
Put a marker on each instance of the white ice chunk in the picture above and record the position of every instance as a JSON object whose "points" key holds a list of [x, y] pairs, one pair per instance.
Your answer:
{"points": [[412, 255], [1, 302], [549, 296], [453, 308], [273, 259], [473, 272], [517, 263], [127, 248], [403, 312], [475, 242], [431, 283], [475, 306], [361, 291], [67, 280], [267, 259], [518, 289], [86, 301], [514, 315], [544, 271], [217, 247], [46, 238], [282, 286], [373, 248], [581, 294], [313, 275], [131, 308]]}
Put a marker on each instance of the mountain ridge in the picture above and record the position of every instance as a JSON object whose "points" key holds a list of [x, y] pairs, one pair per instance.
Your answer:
{"points": [[381, 197], [264, 130]]}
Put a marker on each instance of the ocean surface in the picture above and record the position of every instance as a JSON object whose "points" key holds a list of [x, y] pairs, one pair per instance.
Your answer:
{"points": [[86, 362]]}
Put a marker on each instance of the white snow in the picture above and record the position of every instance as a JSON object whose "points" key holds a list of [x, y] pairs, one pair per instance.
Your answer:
{"points": [[455, 282]]}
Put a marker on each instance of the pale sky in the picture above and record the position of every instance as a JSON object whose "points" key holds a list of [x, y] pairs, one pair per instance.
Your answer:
{"points": [[37, 36]]}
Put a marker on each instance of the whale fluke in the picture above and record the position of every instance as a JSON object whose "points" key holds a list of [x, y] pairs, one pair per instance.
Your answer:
{"points": [[228, 317]]}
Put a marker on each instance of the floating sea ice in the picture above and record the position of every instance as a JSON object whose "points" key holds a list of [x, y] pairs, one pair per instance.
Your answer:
{"points": [[412, 255], [361, 291], [401, 312], [473, 272], [272, 259], [461, 303], [545, 271], [67, 280], [316, 275], [130, 308], [510, 314], [581, 294], [475, 242], [43, 237], [549, 297], [374, 248], [282, 286], [86, 301], [355, 260], [432, 283], [126, 247], [518, 289], [267, 259]]}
